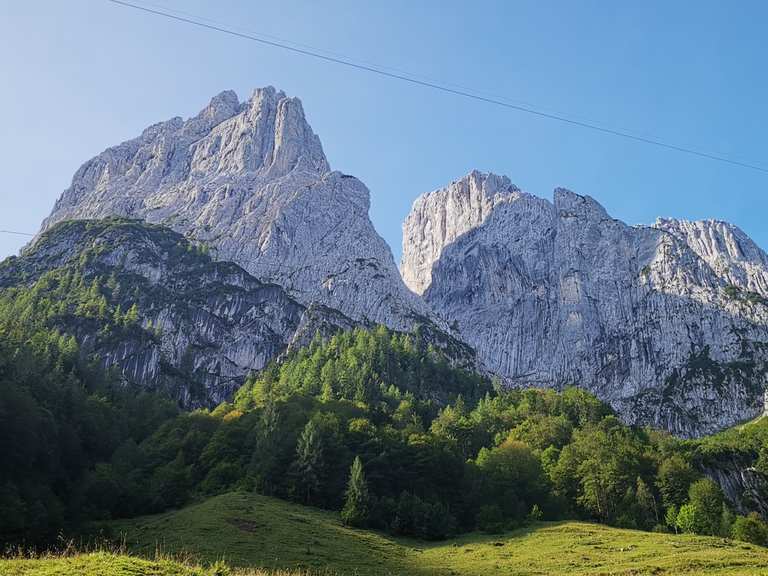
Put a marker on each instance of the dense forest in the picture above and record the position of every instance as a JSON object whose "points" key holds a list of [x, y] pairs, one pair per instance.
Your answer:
{"points": [[373, 424], [60, 419]]}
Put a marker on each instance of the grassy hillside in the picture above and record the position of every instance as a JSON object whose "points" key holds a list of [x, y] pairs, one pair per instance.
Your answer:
{"points": [[245, 529], [96, 564], [110, 564], [576, 548], [259, 532]]}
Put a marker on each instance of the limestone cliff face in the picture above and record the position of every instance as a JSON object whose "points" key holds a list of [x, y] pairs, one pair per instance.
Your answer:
{"points": [[251, 181], [438, 218], [727, 249], [551, 294]]}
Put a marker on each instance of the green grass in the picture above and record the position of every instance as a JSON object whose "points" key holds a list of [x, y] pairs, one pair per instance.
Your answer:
{"points": [[246, 529], [118, 564], [258, 533], [579, 548], [95, 564]]}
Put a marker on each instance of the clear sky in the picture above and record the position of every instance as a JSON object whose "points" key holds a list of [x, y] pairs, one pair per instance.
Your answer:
{"points": [[82, 75]]}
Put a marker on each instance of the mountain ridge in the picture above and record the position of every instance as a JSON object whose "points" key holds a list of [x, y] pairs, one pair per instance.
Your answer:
{"points": [[200, 326], [552, 293], [546, 293]]}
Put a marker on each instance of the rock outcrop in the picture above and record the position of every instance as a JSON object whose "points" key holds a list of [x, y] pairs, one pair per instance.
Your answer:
{"points": [[201, 325], [727, 249], [669, 331], [438, 218]]}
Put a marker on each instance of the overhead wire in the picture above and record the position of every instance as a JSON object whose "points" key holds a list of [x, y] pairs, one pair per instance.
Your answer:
{"points": [[435, 85]]}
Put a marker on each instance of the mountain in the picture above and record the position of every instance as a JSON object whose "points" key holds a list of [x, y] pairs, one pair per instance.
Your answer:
{"points": [[668, 323], [250, 180], [198, 326]]}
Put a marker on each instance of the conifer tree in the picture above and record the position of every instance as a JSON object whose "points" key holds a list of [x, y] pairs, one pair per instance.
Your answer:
{"points": [[647, 510], [357, 507], [309, 462], [132, 316]]}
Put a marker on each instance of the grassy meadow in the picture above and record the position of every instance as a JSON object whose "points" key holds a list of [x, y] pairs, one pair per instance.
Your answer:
{"points": [[244, 534]]}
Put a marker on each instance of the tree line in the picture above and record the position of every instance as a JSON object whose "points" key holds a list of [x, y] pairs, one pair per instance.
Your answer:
{"points": [[371, 423]]}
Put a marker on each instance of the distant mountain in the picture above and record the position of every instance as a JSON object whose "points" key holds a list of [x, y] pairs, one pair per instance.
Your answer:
{"points": [[668, 323]]}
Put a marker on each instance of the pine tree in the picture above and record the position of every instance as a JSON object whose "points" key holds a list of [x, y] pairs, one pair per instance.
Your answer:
{"points": [[726, 521], [309, 462], [117, 316], [357, 507], [95, 289], [647, 511], [132, 316]]}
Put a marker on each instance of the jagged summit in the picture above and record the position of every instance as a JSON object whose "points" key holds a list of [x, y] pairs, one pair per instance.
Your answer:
{"points": [[263, 138], [251, 180], [437, 218], [732, 254]]}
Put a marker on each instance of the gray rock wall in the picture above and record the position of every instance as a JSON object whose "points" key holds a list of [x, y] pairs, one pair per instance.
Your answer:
{"points": [[551, 294]]}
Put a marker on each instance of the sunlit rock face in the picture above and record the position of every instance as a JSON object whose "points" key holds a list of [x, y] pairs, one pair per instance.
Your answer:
{"points": [[251, 181], [668, 323]]}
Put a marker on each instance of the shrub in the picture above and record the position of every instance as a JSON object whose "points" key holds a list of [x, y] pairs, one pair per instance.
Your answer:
{"points": [[750, 529], [490, 519]]}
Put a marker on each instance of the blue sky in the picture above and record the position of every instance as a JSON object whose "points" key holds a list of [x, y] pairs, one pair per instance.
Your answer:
{"points": [[86, 74]]}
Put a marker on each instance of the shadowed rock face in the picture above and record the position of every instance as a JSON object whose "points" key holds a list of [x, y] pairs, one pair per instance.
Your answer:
{"points": [[250, 180], [669, 330], [203, 325]]}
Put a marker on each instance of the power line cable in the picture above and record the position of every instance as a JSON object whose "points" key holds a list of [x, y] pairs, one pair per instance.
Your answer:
{"points": [[15, 232], [342, 56], [381, 71]]}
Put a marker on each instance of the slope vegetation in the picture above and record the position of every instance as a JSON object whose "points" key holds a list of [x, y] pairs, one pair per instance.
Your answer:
{"points": [[114, 564], [247, 530]]}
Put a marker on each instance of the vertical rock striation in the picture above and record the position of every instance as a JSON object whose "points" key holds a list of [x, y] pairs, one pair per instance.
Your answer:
{"points": [[552, 294]]}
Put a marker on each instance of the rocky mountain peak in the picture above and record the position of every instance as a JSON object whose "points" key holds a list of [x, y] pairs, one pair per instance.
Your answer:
{"points": [[250, 180], [568, 203], [222, 106], [732, 254], [439, 217]]}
